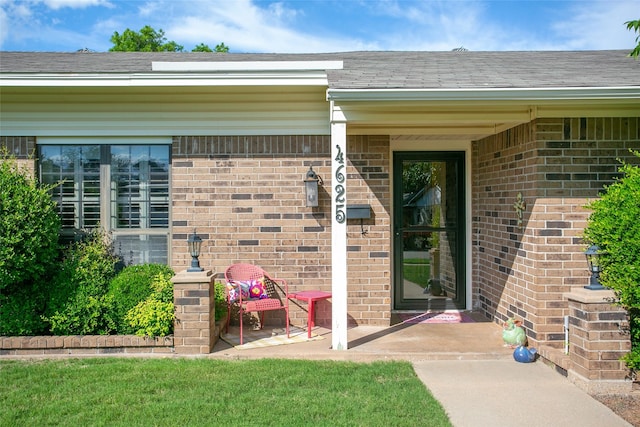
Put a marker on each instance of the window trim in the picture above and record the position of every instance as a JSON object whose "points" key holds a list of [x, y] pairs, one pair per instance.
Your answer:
{"points": [[104, 144], [103, 140]]}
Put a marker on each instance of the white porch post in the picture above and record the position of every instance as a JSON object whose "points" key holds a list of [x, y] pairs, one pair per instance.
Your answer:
{"points": [[338, 229]]}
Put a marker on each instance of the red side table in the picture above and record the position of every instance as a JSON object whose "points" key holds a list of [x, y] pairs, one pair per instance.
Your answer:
{"points": [[310, 297]]}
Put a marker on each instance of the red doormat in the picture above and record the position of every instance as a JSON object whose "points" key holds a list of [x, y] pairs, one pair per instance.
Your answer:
{"points": [[435, 317]]}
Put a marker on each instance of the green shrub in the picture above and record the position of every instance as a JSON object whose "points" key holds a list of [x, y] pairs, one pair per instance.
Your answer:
{"points": [[79, 304], [614, 225], [130, 287], [221, 300], [29, 228], [155, 315], [21, 312]]}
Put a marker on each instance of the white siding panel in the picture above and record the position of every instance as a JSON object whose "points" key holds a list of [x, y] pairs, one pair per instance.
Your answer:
{"points": [[164, 113], [168, 124]]}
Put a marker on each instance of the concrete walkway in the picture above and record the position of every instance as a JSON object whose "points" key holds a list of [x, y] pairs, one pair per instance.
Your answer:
{"points": [[497, 393], [467, 369]]}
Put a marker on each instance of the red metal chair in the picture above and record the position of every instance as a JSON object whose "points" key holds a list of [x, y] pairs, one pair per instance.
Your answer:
{"points": [[238, 275]]}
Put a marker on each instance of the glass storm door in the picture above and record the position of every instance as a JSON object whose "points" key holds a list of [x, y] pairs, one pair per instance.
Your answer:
{"points": [[429, 253]]}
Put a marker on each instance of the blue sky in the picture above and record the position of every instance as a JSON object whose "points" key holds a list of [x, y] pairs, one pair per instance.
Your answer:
{"points": [[323, 26]]}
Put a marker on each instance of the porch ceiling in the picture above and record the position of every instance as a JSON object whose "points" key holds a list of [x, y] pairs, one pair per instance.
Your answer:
{"points": [[444, 121], [469, 120]]}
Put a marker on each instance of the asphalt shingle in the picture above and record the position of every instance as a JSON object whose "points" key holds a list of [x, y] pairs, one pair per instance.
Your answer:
{"points": [[378, 70]]}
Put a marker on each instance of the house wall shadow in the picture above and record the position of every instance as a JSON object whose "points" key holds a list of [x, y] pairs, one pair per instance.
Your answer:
{"points": [[557, 165]]}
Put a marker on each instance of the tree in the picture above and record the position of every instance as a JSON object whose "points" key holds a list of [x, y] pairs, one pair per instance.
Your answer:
{"points": [[635, 26], [416, 176], [147, 40], [220, 48], [150, 40], [201, 48]]}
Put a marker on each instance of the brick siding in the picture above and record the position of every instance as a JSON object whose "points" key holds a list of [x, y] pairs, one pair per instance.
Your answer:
{"points": [[84, 344], [245, 196], [558, 165], [598, 340]]}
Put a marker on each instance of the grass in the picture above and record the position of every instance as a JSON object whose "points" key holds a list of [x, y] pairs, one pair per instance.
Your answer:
{"points": [[195, 392], [417, 270]]}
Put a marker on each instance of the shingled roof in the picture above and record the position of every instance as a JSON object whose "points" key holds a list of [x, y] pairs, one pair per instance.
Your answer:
{"points": [[377, 70]]}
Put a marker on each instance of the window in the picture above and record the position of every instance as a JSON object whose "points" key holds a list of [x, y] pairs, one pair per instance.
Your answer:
{"points": [[77, 169], [124, 187]]}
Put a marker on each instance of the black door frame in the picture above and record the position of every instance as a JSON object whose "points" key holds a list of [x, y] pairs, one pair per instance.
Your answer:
{"points": [[399, 302]]}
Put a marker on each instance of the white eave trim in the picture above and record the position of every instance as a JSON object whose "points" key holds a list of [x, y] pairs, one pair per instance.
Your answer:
{"points": [[189, 73], [313, 78], [244, 66], [480, 94]]}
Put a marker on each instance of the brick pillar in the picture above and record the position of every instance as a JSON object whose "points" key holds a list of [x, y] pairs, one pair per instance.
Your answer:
{"points": [[597, 342], [194, 299]]}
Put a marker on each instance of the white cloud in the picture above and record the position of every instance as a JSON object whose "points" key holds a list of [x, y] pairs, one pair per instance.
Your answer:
{"points": [[13, 14], [4, 26], [599, 25], [27, 24], [492, 25], [280, 11], [245, 27], [75, 4], [439, 25], [149, 8]]}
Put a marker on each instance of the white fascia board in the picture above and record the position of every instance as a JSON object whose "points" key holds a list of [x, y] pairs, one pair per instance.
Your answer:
{"points": [[232, 73], [479, 94], [244, 66], [312, 78]]}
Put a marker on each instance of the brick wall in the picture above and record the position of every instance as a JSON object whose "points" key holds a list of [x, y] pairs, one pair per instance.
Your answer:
{"points": [[195, 330], [557, 165], [84, 344], [597, 340], [369, 241], [245, 196]]}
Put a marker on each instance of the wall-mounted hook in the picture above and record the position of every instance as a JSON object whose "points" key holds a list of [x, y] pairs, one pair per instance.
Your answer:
{"points": [[362, 230]]}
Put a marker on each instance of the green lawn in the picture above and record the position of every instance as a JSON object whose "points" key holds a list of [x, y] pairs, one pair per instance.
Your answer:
{"points": [[205, 392], [417, 270]]}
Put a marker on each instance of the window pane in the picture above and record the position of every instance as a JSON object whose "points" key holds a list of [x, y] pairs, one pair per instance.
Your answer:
{"points": [[68, 215], [139, 186], [159, 215], [141, 249], [77, 171]]}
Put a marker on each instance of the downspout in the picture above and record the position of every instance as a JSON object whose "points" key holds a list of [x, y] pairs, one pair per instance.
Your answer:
{"points": [[566, 334]]}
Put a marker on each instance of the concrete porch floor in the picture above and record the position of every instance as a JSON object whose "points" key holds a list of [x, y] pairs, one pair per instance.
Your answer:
{"points": [[413, 342]]}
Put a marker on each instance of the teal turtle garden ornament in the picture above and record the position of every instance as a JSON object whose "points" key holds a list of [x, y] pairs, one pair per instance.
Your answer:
{"points": [[513, 333]]}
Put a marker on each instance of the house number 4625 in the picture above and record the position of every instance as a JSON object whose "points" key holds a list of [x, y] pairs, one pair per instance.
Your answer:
{"points": [[339, 188]]}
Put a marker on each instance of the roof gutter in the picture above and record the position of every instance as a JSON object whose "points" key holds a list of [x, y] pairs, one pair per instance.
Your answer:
{"points": [[234, 73], [489, 94], [311, 78]]}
